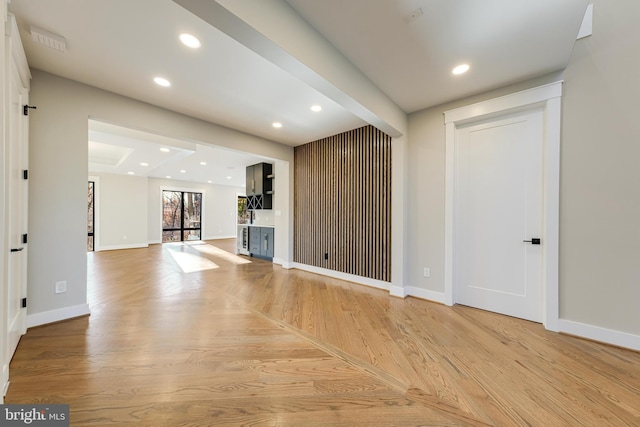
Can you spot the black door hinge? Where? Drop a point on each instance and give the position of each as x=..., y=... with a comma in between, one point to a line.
x=24, y=239
x=25, y=174
x=25, y=109
x=24, y=302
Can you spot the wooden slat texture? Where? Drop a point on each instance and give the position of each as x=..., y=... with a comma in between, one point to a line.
x=342, y=203
x=245, y=342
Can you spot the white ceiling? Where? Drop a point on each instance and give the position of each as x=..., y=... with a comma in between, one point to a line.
x=117, y=150
x=410, y=59
x=120, y=45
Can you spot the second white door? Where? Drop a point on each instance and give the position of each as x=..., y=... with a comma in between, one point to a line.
x=498, y=215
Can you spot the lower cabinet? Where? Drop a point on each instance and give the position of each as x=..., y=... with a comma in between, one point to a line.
x=261, y=242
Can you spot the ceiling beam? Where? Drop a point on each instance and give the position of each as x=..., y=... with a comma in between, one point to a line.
x=273, y=30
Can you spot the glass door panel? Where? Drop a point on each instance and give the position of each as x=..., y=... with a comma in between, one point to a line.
x=181, y=216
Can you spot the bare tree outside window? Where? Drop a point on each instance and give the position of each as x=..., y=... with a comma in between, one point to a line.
x=244, y=215
x=181, y=216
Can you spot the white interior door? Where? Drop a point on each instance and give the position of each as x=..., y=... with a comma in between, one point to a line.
x=17, y=212
x=498, y=213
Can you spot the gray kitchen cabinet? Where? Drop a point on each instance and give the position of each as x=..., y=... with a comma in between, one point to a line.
x=259, y=186
x=261, y=242
x=266, y=242
x=254, y=240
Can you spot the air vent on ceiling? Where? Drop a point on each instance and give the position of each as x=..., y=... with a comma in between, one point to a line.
x=48, y=39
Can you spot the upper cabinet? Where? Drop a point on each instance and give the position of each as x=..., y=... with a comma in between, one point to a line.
x=259, y=186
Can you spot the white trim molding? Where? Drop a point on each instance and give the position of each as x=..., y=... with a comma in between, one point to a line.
x=52, y=316
x=230, y=236
x=398, y=291
x=118, y=247
x=343, y=276
x=596, y=333
x=283, y=263
x=547, y=97
x=426, y=294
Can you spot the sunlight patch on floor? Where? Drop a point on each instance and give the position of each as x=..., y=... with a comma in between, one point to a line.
x=217, y=252
x=190, y=263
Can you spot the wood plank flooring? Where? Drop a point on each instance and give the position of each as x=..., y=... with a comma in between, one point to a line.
x=194, y=335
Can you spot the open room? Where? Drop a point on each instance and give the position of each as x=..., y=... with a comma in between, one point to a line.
x=293, y=212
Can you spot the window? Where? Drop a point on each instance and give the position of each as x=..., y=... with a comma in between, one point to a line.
x=244, y=215
x=181, y=216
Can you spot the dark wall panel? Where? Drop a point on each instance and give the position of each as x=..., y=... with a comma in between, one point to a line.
x=342, y=208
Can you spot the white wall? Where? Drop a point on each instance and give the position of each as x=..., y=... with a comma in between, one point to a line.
x=599, y=207
x=121, y=212
x=600, y=212
x=58, y=178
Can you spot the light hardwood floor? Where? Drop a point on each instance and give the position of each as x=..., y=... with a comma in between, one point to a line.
x=194, y=335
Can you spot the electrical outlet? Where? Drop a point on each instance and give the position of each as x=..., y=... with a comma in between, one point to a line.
x=427, y=272
x=61, y=287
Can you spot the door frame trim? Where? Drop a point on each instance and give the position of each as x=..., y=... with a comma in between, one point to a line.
x=547, y=97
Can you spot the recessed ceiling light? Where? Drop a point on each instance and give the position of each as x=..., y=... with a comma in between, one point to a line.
x=316, y=108
x=203, y=163
x=190, y=41
x=144, y=164
x=131, y=173
x=277, y=125
x=162, y=81
x=168, y=176
x=228, y=177
x=209, y=182
x=183, y=171
x=164, y=150
x=460, y=69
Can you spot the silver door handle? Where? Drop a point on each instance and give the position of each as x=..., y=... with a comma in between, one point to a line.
x=16, y=250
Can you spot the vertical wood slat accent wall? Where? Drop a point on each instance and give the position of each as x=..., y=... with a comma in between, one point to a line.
x=342, y=203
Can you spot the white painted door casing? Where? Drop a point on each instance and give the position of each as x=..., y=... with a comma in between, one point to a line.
x=15, y=88
x=547, y=98
x=498, y=206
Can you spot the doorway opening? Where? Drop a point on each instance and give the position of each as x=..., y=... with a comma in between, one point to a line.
x=548, y=99
x=181, y=216
x=91, y=217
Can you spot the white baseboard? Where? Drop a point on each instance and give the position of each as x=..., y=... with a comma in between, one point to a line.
x=65, y=313
x=5, y=380
x=155, y=242
x=231, y=236
x=283, y=263
x=398, y=291
x=117, y=247
x=427, y=294
x=596, y=333
x=342, y=276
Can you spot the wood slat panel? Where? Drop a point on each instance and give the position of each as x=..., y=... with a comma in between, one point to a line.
x=342, y=191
